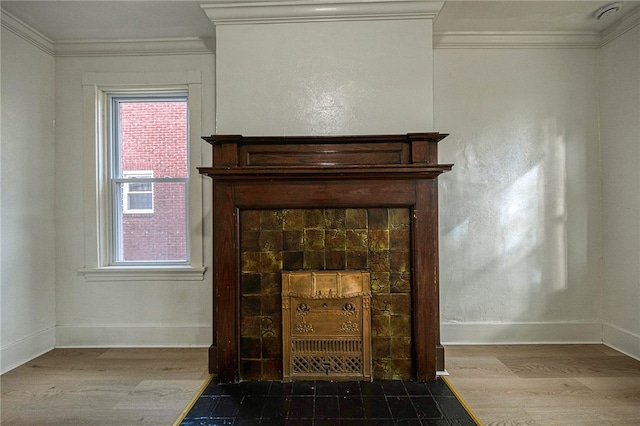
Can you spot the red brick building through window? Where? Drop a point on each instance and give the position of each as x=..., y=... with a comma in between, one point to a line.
x=153, y=160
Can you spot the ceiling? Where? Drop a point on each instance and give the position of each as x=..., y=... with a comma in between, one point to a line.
x=136, y=20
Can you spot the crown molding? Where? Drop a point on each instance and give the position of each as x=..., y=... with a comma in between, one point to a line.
x=146, y=47
x=536, y=39
x=27, y=33
x=143, y=47
x=515, y=40
x=223, y=13
x=227, y=13
x=628, y=22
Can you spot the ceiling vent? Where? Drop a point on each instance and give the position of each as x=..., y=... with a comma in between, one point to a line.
x=607, y=11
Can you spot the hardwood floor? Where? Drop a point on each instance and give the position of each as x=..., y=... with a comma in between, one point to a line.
x=505, y=385
x=547, y=384
x=102, y=387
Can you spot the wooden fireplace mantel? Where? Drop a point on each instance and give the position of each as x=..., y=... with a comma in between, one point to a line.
x=325, y=172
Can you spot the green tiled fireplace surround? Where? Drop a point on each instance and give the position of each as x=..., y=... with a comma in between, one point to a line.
x=375, y=240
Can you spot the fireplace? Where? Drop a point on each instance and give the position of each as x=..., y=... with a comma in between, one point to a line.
x=376, y=240
x=385, y=179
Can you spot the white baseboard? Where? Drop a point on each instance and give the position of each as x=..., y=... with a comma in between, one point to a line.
x=126, y=335
x=26, y=349
x=520, y=333
x=621, y=340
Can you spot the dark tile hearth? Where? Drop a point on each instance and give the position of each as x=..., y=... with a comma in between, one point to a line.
x=318, y=403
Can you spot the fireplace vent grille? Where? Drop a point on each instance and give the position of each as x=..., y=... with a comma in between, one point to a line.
x=326, y=325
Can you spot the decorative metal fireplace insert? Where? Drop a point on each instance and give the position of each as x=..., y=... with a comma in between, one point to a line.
x=326, y=325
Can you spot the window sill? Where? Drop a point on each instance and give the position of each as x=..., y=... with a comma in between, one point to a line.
x=144, y=273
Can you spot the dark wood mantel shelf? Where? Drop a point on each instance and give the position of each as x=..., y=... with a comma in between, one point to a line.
x=326, y=172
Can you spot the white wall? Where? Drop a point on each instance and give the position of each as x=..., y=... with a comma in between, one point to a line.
x=347, y=77
x=522, y=235
x=620, y=129
x=121, y=313
x=28, y=262
x=519, y=212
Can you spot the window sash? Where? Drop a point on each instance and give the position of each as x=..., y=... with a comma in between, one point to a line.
x=120, y=178
x=118, y=238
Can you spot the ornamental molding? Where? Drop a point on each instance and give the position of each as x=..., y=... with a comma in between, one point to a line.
x=268, y=12
x=536, y=39
x=515, y=40
x=225, y=13
x=628, y=22
x=142, y=47
x=105, y=48
x=27, y=33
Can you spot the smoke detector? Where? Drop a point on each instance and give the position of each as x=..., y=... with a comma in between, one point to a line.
x=607, y=11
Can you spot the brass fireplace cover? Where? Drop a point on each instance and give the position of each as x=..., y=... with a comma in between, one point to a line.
x=326, y=325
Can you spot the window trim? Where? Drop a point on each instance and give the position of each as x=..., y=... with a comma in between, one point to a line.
x=96, y=88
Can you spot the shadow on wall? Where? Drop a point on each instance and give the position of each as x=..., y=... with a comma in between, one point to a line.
x=503, y=231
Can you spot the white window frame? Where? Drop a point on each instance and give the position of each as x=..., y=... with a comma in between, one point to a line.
x=126, y=190
x=98, y=228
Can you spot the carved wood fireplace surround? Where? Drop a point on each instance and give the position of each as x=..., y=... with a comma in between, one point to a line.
x=326, y=172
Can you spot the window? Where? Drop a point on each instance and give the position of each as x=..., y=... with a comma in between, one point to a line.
x=146, y=213
x=137, y=192
x=149, y=214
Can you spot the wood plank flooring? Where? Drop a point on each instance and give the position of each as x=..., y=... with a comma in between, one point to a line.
x=547, y=384
x=102, y=387
x=504, y=385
